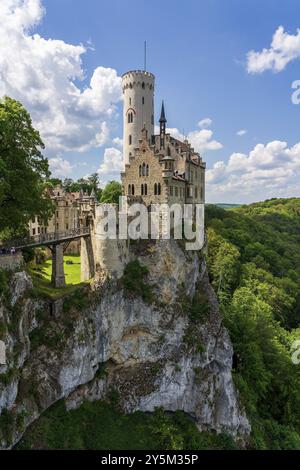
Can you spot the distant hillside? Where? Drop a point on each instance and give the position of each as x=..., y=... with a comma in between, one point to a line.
x=227, y=206
x=254, y=265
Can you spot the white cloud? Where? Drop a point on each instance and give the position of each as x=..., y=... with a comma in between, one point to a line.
x=111, y=166
x=118, y=142
x=60, y=167
x=241, y=132
x=284, y=48
x=270, y=170
x=44, y=74
x=201, y=140
x=206, y=122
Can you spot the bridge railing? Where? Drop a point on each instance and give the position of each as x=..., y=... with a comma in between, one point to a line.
x=45, y=238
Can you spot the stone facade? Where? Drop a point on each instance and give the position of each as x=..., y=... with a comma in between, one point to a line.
x=158, y=168
x=72, y=210
x=138, y=90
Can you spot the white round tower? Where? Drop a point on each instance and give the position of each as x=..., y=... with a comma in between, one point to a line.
x=138, y=90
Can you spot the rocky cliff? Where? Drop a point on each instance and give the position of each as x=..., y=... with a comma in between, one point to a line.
x=169, y=350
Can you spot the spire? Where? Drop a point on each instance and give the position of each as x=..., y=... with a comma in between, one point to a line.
x=162, y=126
x=162, y=114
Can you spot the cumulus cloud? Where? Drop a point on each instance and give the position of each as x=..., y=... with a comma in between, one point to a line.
x=118, y=142
x=111, y=166
x=241, y=132
x=201, y=140
x=270, y=170
x=60, y=167
x=284, y=48
x=45, y=75
x=206, y=122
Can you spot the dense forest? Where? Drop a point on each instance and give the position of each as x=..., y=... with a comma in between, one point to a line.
x=254, y=264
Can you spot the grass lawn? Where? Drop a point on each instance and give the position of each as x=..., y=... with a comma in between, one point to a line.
x=72, y=271
x=41, y=277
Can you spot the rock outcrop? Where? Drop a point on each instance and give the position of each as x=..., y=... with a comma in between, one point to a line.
x=171, y=352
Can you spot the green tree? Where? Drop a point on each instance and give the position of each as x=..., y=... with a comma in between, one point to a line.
x=111, y=193
x=23, y=170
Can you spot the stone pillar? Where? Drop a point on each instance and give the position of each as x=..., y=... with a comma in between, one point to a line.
x=58, y=275
x=87, y=259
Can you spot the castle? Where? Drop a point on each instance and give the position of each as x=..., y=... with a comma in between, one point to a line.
x=158, y=168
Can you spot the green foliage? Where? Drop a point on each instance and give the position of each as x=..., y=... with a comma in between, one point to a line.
x=78, y=300
x=6, y=424
x=3, y=281
x=134, y=280
x=100, y=426
x=23, y=170
x=111, y=193
x=254, y=265
x=2, y=328
x=89, y=184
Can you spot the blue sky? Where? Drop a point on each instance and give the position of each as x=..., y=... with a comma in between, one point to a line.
x=198, y=52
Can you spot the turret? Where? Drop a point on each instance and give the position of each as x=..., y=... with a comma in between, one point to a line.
x=138, y=91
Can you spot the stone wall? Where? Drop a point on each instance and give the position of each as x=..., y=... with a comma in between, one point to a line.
x=11, y=262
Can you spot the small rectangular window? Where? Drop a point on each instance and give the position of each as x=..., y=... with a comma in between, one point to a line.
x=130, y=139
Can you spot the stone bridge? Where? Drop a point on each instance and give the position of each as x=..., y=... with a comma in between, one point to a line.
x=57, y=242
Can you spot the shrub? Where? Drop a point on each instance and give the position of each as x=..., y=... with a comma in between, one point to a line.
x=3, y=281
x=133, y=280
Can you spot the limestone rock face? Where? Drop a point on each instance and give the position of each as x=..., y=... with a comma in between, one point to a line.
x=152, y=355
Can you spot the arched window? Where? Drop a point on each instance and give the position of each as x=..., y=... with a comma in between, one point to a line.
x=140, y=170
x=143, y=85
x=130, y=118
x=142, y=189
x=159, y=189
x=155, y=189
x=147, y=170
x=129, y=189
x=143, y=100
x=145, y=190
x=132, y=190
x=144, y=169
x=130, y=140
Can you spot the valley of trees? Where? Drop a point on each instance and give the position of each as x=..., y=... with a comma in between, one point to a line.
x=254, y=265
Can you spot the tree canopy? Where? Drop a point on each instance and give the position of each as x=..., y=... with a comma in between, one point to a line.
x=23, y=170
x=254, y=265
x=111, y=193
